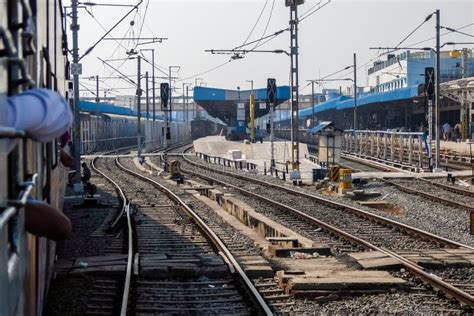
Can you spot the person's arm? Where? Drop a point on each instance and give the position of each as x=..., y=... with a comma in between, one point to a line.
x=66, y=159
x=42, y=219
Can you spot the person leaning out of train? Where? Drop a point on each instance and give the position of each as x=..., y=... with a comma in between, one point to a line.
x=66, y=159
x=44, y=115
x=44, y=220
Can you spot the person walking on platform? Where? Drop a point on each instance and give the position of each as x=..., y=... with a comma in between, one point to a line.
x=446, y=131
x=457, y=132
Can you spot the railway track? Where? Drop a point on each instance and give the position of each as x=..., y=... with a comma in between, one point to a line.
x=435, y=191
x=448, y=161
x=180, y=265
x=356, y=226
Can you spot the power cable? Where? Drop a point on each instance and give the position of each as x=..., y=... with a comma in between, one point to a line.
x=456, y=31
x=110, y=30
x=303, y=17
x=143, y=21
x=416, y=29
x=102, y=27
x=207, y=71
x=85, y=87
x=255, y=25
x=266, y=26
x=266, y=37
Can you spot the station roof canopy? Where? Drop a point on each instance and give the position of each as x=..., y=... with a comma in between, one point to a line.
x=345, y=102
x=222, y=103
x=388, y=96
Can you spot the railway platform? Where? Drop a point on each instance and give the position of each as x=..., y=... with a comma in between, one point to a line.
x=257, y=154
x=461, y=148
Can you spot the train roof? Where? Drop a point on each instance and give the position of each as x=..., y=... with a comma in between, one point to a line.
x=109, y=108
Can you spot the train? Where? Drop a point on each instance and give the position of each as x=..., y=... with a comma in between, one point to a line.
x=34, y=54
x=107, y=131
x=207, y=125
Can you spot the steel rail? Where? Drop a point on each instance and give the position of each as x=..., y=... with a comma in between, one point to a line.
x=453, y=164
x=262, y=305
x=361, y=213
x=125, y=210
x=429, y=195
x=448, y=289
x=450, y=188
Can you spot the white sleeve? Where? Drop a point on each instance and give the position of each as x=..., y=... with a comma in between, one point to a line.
x=43, y=114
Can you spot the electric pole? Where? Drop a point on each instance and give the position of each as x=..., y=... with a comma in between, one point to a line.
x=355, y=91
x=153, y=86
x=139, y=108
x=97, y=97
x=293, y=4
x=464, y=104
x=271, y=99
x=147, y=95
x=171, y=96
x=76, y=71
x=187, y=99
x=438, y=81
x=171, y=92
x=312, y=101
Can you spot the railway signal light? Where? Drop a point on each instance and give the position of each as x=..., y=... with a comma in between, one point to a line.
x=271, y=90
x=429, y=80
x=165, y=93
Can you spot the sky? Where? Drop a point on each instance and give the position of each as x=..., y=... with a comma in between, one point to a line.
x=327, y=38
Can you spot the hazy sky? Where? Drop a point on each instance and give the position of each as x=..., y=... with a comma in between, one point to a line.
x=327, y=39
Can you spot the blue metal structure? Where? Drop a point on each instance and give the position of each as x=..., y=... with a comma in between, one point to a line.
x=92, y=107
x=345, y=102
x=233, y=106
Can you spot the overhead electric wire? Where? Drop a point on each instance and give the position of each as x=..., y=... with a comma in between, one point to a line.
x=84, y=86
x=207, y=71
x=266, y=26
x=151, y=64
x=125, y=78
x=143, y=22
x=426, y=40
x=307, y=11
x=263, y=43
x=259, y=44
x=256, y=23
x=456, y=31
x=103, y=28
x=110, y=30
x=303, y=17
x=263, y=38
x=416, y=29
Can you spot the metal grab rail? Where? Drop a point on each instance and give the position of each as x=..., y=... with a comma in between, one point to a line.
x=10, y=132
x=13, y=253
